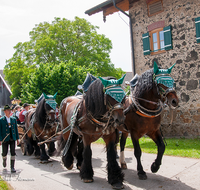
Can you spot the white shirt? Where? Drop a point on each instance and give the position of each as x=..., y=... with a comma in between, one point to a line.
x=17, y=114
x=8, y=120
x=24, y=112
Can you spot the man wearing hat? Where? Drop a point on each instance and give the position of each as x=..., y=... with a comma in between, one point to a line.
x=8, y=136
x=23, y=112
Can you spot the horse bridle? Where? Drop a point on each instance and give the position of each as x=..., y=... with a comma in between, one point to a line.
x=140, y=110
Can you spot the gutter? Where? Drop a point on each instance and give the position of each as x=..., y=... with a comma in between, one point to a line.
x=131, y=31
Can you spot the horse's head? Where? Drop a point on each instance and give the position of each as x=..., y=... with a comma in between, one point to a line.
x=114, y=98
x=50, y=107
x=165, y=85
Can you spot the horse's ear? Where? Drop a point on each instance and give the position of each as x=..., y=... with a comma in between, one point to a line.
x=155, y=68
x=170, y=69
x=45, y=96
x=54, y=97
x=104, y=82
x=120, y=81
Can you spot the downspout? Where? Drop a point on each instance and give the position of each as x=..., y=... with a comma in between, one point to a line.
x=131, y=31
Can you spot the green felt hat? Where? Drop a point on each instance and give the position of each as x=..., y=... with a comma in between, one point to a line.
x=6, y=107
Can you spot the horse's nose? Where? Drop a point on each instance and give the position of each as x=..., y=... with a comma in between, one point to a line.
x=174, y=102
x=120, y=120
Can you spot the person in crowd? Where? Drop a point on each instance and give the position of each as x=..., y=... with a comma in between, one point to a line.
x=8, y=136
x=16, y=113
x=23, y=113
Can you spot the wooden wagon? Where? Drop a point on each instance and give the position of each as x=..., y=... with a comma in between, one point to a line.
x=21, y=131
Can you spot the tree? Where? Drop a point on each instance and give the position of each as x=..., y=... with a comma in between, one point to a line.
x=61, y=41
x=48, y=78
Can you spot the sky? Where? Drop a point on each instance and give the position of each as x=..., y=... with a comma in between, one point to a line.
x=19, y=17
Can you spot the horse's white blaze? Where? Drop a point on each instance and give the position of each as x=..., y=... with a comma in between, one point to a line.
x=122, y=158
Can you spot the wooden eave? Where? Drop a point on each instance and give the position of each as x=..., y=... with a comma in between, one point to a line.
x=108, y=8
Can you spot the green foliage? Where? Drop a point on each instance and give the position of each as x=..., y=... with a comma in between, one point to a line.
x=48, y=78
x=58, y=42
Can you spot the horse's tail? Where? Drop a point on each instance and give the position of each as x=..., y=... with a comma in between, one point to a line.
x=60, y=144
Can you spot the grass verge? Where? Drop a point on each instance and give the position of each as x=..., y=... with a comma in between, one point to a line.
x=175, y=146
x=4, y=185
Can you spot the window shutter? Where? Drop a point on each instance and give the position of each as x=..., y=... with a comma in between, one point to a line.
x=197, y=23
x=146, y=43
x=168, y=37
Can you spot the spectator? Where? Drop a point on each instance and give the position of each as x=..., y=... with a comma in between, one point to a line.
x=23, y=112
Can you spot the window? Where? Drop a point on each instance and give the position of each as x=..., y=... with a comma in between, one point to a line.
x=157, y=44
x=154, y=7
x=157, y=41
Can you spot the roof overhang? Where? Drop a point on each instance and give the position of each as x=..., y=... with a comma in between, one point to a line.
x=5, y=84
x=107, y=7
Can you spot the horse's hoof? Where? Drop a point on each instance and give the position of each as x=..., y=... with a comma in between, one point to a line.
x=70, y=167
x=154, y=167
x=118, y=185
x=142, y=176
x=123, y=166
x=88, y=180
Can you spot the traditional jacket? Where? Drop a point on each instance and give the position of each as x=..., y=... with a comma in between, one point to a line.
x=5, y=130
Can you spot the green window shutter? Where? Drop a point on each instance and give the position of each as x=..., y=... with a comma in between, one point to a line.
x=168, y=37
x=146, y=44
x=197, y=23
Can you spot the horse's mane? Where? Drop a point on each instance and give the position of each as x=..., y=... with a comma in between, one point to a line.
x=94, y=99
x=40, y=113
x=145, y=83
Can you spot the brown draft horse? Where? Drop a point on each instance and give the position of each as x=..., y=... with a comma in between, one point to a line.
x=143, y=114
x=40, y=124
x=97, y=115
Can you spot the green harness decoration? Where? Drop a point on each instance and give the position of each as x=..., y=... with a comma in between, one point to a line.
x=162, y=76
x=50, y=100
x=113, y=88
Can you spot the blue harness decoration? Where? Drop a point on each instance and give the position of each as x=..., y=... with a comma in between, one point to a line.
x=50, y=100
x=162, y=76
x=113, y=88
x=165, y=80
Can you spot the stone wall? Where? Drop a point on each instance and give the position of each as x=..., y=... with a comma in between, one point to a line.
x=186, y=54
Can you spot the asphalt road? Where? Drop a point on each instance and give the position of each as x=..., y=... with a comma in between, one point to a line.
x=175, y=173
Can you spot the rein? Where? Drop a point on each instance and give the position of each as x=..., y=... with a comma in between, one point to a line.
x=142, y=111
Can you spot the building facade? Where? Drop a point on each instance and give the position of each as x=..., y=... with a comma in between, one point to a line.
x=5, y=93
x=168, y=32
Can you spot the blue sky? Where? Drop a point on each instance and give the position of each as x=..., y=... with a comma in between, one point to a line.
x=18, y=18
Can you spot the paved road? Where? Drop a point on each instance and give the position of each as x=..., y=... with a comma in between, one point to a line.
x=175, y=173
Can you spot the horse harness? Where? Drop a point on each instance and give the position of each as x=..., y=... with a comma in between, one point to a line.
x=142, y=111
x=75, y=123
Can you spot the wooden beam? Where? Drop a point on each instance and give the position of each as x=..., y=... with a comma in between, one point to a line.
x=124, y=5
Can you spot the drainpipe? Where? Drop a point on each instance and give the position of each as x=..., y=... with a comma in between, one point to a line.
x=131, y=31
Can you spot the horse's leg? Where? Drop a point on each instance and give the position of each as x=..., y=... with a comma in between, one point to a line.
x=86, y=171
x=43, y=156
x=68, y=159
x=79, y=155
x=51, y=149
x=157, y=138
x=122, y=146
x=30, y=148
x=37, y=148
x=115, y=175
x=137, y=152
